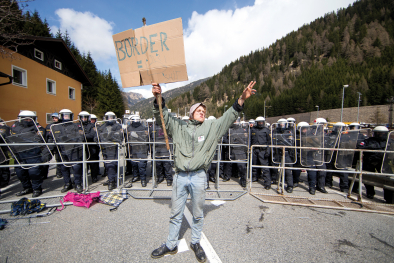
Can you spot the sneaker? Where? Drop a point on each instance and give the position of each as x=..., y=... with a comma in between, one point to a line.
x=199, y=252
x=162, y=251
x=66, y=188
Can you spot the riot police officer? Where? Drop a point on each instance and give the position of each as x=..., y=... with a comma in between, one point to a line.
x=67, y=131
x=110, y=131
x=297, y=173
x=211, y=174
x=30, y=178
x=53, y=148
x=333, y=137
x=260, y=135
x=4, y=160
x=136, y=129
x=163, y=168
x=90, y=133
x=372, y=161
x=239, y=135
x=283, y=136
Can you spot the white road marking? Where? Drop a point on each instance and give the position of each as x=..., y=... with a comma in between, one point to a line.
x=209, y=251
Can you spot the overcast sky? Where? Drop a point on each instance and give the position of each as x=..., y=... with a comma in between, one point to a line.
x=215, y=32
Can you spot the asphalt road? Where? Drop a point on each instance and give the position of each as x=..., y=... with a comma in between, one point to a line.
x=243, y=230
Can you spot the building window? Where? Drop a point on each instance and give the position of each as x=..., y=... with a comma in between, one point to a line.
x=19, y=76
x=71, y=93
x=51, y=87
x=58, y=64
x=49, y=118
x=38, y=54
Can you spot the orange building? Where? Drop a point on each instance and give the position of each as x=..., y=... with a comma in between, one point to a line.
x=46, y=78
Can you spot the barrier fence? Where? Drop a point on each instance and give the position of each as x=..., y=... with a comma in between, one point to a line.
x=384, y=180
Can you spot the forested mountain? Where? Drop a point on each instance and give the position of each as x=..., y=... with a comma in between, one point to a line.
x=105, y=94
x=309, y=67
x=131, y=98
x=145, y=106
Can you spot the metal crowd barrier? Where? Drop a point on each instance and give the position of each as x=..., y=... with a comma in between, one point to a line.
x=383, y=180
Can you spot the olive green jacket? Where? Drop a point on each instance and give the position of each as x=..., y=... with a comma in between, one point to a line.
x=195, y=142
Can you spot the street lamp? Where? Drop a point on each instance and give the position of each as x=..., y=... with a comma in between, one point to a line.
x=317, y=106
x=343, y=96
x=358, y=105
x=266, y=107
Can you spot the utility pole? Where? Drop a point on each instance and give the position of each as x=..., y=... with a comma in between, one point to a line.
x=391, y=100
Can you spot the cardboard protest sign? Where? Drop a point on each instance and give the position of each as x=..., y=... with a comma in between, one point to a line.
x=152, y=53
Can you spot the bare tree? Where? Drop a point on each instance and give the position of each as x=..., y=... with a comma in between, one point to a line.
x=90, y=102
x=11, y=27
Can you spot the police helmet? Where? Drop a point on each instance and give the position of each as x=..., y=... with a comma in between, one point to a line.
x=66, y=115
x=338, y=127
x=211, y=118
x=149, y=120
x=252, y=121
x=282, y=123
x=302, y=124
x=320, y=121
x=92, y=116
x=380, y=132
x=260, y=122
x=268, y=125
x=28, y=115
x=135, y=119
x=354, y=126
x=291, y=122
x=291, y=119
x=84, y=116
x=55, y=115
x=109, y=115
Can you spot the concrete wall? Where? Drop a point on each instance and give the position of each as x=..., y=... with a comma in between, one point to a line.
x=368, y=114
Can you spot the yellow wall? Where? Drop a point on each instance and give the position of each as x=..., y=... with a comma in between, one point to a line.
x=34, y=97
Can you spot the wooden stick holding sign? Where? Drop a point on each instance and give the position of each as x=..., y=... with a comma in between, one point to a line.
x=157, y=92
x=152, y=54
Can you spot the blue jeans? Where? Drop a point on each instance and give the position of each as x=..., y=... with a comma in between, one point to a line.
x=184, y=183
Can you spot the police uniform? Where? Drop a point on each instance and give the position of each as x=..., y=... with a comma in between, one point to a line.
x=94, y=150
x=4, y=171
x=285, y=137
x=261, y=136
x=31, y=178
x=71, y=155
x=139, y=167
x=54, y=150
x=239, y=135
x=163, y=168
x=225, y=167
x=110, y=153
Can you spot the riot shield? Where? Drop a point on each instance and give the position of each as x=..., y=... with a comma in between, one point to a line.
x=70, y=132
x=240, y=136
x=4, y=131
x=388, y=159
x=312, y=136
x=27, y=153
x=137, y=144
x=3, y=157
x=330, y=141
x=348, y=141
x=109, y=132
x=282, y=136
x=160, y=145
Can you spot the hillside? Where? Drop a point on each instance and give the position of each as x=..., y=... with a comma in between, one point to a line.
x=145, y=106
x=131, y=98
x=309, y=67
